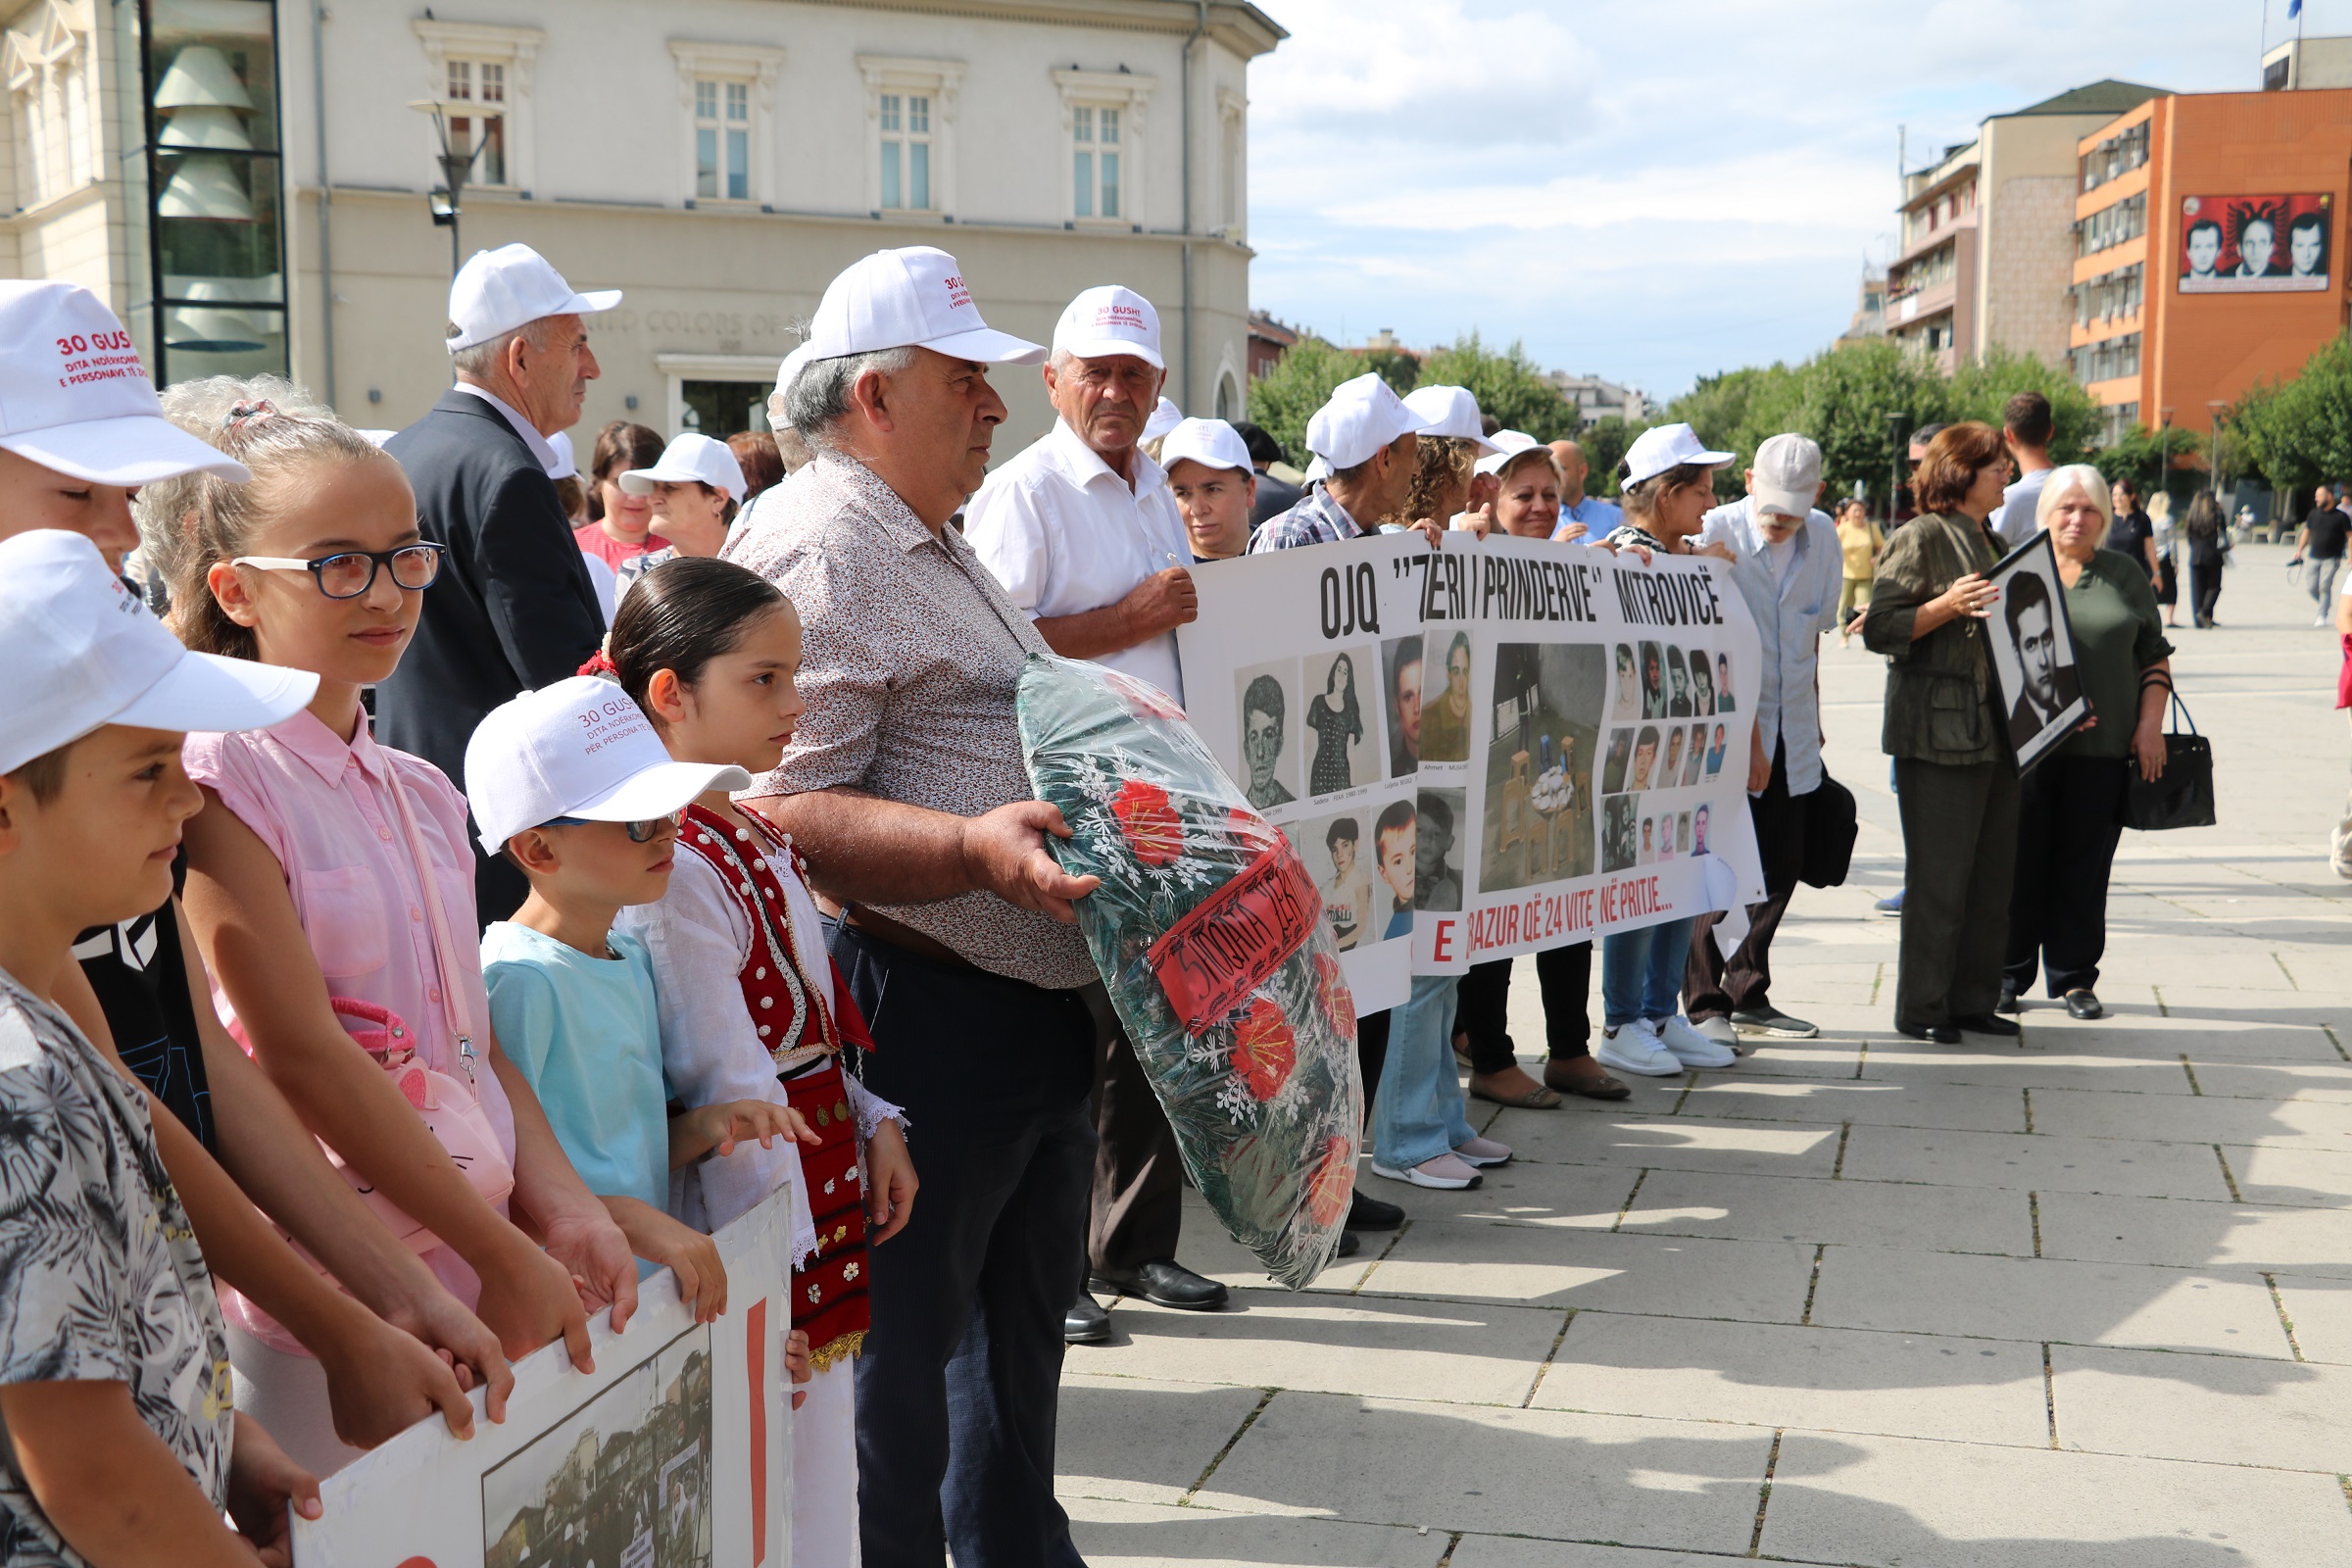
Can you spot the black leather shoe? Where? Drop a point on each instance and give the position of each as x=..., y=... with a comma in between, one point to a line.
x=1368, y=1214
x=1350, y=1243
x=2009, y=1002
x=1085, y=1323
x=1936, y=1034
x=1163, y=1282
x=1989, y=1023
x=2082, y=1003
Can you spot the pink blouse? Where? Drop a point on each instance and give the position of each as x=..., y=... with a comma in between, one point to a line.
x=328, y=812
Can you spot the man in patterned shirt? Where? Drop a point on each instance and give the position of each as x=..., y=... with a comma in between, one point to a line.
x=1372, y=486
x=905, y=789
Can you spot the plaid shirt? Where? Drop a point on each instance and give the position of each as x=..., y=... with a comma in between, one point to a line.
x=1318, y=519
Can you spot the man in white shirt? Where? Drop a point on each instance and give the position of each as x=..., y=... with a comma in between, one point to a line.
x=1789, y=569
x=2027, y=426
x=1080, y=527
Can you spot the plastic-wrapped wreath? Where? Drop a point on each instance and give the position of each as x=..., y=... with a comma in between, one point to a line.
x=1209, y=935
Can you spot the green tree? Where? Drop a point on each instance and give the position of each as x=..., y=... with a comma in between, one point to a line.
x=2299, y=432
x=1507, y=384
x=1843, y=399
x=1604, y=441
x=1286, y=396
x=1982, y=387
x=1395, y=367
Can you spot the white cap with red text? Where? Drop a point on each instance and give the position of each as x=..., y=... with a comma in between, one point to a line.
x=497, y=291
x=579, y=748
x=1164, y=418
x=1451, y=411
x=1110, y=321
x=1668, y=446
x=1211, y=442
x=1788, y=475
x=73, y=396
x=687, y=458
x=82, y=652
x=1362, y=416
x=913, y=297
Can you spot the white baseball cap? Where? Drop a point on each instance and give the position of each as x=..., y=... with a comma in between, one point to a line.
x=566, y=466
x=689, y=457
x=1666, y=446
x=73, y=396
x=1788, y=470
x=913, y=297
x=1166, y=417
x=497, y=291
x=1506, y=445
x=1207, y=441
x=1110, y=321
x=1362, y=416
x=82, y=652
x=579, y=748
x=1451, y=412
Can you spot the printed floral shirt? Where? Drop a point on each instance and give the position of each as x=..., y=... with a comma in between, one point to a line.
x=1318, y=519
x=100, y=1277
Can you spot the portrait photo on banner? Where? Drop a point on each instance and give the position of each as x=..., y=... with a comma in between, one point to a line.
x=1362, y=861
x=2256, y=244
x=1446, y=696
x=1538, y=822
x=2033, y=651
x=1401, y=703
x=1266, y=696
x=1342, y=720
x=1437, y=857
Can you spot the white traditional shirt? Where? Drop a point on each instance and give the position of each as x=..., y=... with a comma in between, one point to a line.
x=1793, y=606
x=1066, y=534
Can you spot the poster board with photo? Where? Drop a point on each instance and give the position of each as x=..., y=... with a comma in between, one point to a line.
x=2256, y=244
x=2033, y=645
x=1303, y=675
x=673, y=1454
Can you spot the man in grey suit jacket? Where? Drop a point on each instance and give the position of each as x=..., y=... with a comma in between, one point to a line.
x=513, y=609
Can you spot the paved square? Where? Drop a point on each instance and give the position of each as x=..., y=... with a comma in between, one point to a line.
x=2081, y=1300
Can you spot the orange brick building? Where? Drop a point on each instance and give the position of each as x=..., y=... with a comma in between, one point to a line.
x=2209, y=250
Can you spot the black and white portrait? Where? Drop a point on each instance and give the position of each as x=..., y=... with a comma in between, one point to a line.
x=1268, y=704
x=2034, y=653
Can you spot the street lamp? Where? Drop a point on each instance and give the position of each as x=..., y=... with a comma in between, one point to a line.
x=455, y=168
x=1894, y=464
x=2213, y=447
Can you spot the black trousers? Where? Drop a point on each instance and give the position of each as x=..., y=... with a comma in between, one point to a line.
x=2070, y=815
x=1959, y=856
x=1482, y=1001
x=960, y=1380
x=1137, y=1206
x=1371, y=1054
x=1714, y=986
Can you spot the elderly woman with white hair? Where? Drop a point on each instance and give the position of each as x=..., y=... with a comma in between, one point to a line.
x=2070, y=812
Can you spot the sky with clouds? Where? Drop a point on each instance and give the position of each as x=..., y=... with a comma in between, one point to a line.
x=1656, y=190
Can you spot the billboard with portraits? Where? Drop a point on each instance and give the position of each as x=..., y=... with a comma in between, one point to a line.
x=2256, y=244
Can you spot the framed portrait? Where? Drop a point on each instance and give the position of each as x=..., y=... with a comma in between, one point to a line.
x=2033, y=651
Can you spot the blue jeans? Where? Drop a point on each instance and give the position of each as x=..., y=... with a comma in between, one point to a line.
x=1418, y=1114
x=1641, y=972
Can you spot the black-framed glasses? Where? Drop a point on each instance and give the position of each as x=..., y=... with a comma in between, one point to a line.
x=644, y=832
x=349, y=574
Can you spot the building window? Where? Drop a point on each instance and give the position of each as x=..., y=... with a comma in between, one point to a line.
x=906, y=151
x=2110, y=227
x=49, y=101
x=1095, y=161
x=483, y=131
x=484, y=75
x=723, y=139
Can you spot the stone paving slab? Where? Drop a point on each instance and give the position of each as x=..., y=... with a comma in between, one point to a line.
x=1131, y=1534
x=1759, y=1281
x=2314, y=1126
x=2042, y=1161
x=2218, y=1410
x=1845, y=1213
x=2176, y=1234
x=1141, y=1440
x=1864, y=1101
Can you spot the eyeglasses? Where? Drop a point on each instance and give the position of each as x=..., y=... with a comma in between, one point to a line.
x=349, y=574
x=644, y=832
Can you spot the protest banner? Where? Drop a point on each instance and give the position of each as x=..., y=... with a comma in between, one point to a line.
x=1557, y=747
x=673, y=1454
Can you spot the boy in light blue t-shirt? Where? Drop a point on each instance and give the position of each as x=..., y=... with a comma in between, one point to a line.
x=573, y=785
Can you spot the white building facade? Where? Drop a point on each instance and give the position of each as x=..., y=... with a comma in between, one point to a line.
x=247, y=182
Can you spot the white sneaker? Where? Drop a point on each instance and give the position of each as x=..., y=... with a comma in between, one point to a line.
x=1691, y=1048
x=1482, y=1152
x=1444, y=1172
x=1719, y=1029
x=1635, y=1047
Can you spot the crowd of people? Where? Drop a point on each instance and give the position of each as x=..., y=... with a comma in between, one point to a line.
x=665, y=826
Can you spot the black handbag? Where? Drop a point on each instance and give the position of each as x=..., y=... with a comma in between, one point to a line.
x=2183, y=796
x=1830, y=832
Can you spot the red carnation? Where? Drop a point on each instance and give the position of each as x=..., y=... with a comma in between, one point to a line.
x=1154, y=833
x=1264, y=1050
x=1334, y=1181
x=1338, y=1004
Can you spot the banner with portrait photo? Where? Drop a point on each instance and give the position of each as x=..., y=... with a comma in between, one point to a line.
x=2033, y=646
x=1303, y=675
x=2256, y=244
x=1533, y=711
x=673, y=1454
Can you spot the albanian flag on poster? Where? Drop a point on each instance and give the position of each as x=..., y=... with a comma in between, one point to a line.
x=1210, y=939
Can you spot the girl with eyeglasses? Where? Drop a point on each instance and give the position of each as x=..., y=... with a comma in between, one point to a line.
x=331, y=888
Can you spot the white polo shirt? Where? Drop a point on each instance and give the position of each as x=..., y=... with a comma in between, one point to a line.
x=1064, y=534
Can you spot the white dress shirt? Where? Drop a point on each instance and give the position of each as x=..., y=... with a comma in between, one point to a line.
x=541, y=448
x=1793, y=604
x=1064, y=535
x=2017, y=522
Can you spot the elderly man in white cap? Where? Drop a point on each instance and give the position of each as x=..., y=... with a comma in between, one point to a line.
x=1786, y=558
x=905, y=790
x=1081, y=530
x=1370, y=441
x=512, y=611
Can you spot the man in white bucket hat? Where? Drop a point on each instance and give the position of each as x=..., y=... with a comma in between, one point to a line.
x=514, y=608
x=905, y=789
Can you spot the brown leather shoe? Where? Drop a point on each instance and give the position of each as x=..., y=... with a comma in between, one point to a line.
x=1592, y=1082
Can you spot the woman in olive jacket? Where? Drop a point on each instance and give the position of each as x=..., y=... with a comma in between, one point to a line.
x=1955, y=778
